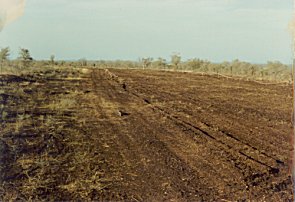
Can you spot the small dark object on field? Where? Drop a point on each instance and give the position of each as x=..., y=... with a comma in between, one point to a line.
x=124, y=86
x=147, y=101
x=122, y=113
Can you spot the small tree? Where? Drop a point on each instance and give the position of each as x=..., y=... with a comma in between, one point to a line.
x=253, y=70
x=25, y=57
x=52, y=59
x=82, y=62
x=175, y=60
x=160, y=63
x=231, y=70
x=4, y=55
x=195, y=64
x=146, y=62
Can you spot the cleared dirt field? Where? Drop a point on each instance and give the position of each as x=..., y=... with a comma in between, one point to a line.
x=137, y=135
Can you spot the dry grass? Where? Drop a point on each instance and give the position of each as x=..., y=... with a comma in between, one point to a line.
x=51, y=158
x=62, y=104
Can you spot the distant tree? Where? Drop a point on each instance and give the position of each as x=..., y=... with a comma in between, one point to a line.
x=83, y=62
x=275, y=69
x=245, y=68
x=160, y=63
x=175, y=61
x=235, y=67
x=52, y=59
x=225, y=68
x=252, y=70
x=205, y=67
x=230, y=69
x=195, y=64
x=62, y=63
x=146, y=62
x=213, y=68
x=25, y=57
x=4, y=55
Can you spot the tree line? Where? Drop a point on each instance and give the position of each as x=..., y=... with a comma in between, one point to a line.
x=272, y=70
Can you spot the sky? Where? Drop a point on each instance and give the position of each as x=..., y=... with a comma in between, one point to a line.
x=216, y=30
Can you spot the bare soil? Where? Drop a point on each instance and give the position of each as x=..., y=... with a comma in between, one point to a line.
x=135, y=135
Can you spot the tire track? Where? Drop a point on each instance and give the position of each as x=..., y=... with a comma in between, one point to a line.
x=269, y=166
x=152, y=155
x=188, y=124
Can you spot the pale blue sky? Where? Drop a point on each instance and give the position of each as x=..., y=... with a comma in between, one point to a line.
x=217, y=30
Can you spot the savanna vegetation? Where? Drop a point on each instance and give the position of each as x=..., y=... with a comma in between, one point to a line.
x=272, y=70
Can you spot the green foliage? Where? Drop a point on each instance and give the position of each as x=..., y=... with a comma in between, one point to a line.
x=275, y=69
x=175, y=60
x=196, y=65
x=160, y=63
x=52, y=59
x=4, y=54
x=25, y=57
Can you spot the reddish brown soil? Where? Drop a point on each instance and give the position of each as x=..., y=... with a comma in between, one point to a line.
x=151, y=136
